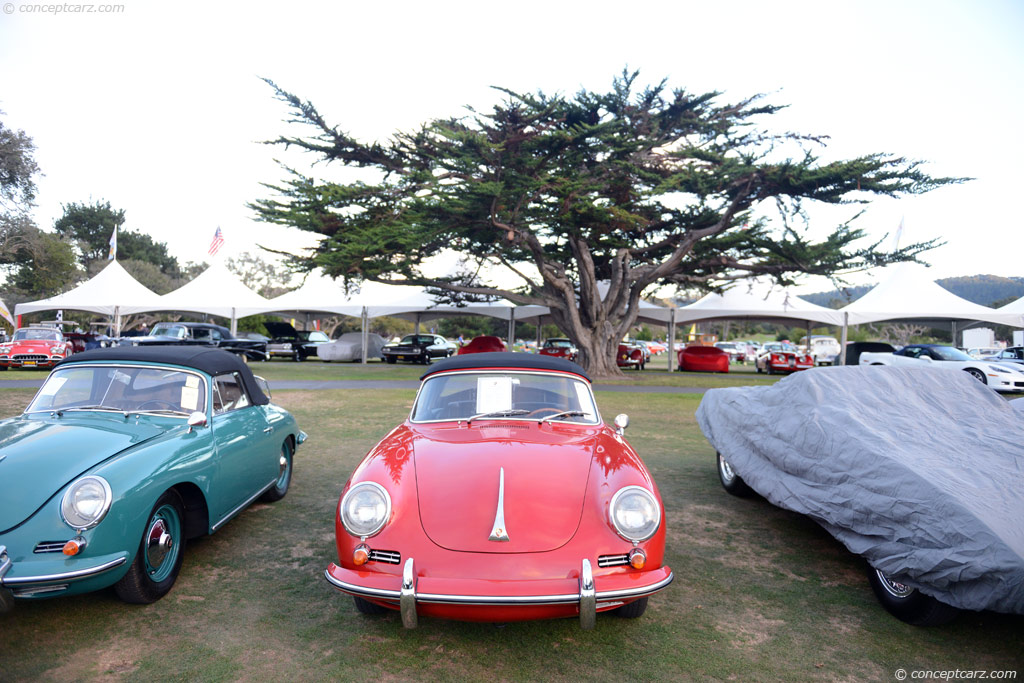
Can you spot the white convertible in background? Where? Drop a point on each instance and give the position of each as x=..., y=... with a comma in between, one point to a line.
x=1001, y=377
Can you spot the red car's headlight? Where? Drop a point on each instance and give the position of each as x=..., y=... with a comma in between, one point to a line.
x=635, y=513
x=365, y=509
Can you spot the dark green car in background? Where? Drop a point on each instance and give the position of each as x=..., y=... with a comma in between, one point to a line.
x=123, y=455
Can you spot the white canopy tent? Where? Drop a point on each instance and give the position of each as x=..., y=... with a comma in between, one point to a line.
x=216, y=291
x=907, y=292
x=742, y=303
x=5, y=313
x=1014, y=308
x=112, y=292
x=320, y=294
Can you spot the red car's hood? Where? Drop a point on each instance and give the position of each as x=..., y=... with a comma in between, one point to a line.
x=34, y=346
x=457, y=473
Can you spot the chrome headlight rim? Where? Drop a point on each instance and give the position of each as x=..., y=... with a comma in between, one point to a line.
x=373, y=531
x=66, y=503
x=654, y=505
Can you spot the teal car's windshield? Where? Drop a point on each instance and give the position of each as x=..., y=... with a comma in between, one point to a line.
x=141, y=389
x=512, y=395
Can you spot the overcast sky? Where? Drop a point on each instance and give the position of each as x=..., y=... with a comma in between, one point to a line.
x=159, y=108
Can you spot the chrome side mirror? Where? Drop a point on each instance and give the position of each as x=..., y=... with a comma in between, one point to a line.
x=621, y=422
x=196, y=419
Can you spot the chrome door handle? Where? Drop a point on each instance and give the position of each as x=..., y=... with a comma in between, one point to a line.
x=268, y=430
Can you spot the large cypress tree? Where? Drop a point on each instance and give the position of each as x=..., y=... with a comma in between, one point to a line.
x=637, y=187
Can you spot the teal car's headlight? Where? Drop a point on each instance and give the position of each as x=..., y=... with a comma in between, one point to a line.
x=86, y=502
x=635, y=513
x=365, y=509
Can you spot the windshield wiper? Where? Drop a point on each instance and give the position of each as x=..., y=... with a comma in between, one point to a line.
x=161, y=411
x=498, y=413
x=564, y=413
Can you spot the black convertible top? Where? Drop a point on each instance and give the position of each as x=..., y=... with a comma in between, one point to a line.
x=506, y=359
x=211, y=360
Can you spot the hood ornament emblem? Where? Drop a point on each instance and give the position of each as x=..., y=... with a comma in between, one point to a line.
x=498, y=531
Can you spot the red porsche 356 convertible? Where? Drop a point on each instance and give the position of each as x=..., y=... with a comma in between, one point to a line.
x=503, y=497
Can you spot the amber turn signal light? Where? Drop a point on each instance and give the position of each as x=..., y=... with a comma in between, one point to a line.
x=74, y=546
x=637, y=558
x=361, y=555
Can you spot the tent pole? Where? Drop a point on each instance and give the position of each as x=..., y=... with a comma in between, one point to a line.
x=540, y=322
x=117, y=321
x=671, y=338
x=234, y=323
x=953, y=324
x=364, y=325
x=416, y=329
x=511, y=328
x=843, y=337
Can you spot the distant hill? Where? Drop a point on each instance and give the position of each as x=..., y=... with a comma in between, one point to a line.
x=981, y=289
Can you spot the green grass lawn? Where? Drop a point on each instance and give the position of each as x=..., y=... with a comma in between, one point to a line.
x=760, y=593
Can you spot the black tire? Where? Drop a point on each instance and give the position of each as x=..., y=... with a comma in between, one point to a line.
x=366, y=607
x=633, y=610
x=977, y=374
x=391, y=360
x=771, y=370
x=158, y=559
x=732, y=482
x=758, y=368
x=284, y=479
x=297, y=357
x=909, y=604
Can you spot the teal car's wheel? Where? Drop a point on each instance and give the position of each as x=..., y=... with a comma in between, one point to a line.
x=160, y=553
x=284, y=479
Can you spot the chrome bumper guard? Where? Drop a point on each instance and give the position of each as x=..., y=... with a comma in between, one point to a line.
x=587, y=598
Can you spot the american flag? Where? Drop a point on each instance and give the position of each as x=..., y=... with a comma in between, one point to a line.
x=217, y=243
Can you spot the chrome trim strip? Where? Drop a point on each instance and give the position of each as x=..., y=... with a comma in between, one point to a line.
x=407, y=601
x=64, y=576
x=509, y=600
x=588, y=597
x=241, y=507
x=498, y=531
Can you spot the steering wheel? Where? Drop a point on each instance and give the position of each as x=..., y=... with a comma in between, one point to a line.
x=158, y=404
x=538, y=411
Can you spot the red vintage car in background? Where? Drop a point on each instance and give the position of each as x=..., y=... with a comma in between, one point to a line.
x=560, y=347
x=782, y=357
x=630, y=356
x=35, y=346
x=503, y=497
x=483, y=344
x=703, y=359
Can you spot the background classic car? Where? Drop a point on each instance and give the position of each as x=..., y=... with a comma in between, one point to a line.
x=483, y=344
x=782, y=357
x=34, y=346
x=999, y=376
x=287, y=342
x=560, y=347
x=630, y=356
x=418, y=348
x=123, y=455
x=200, y=334
x=503, y=497
x=697, y=358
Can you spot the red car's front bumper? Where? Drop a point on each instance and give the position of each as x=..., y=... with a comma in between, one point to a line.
x=581, y=593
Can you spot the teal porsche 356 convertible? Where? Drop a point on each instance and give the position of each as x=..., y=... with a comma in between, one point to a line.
x=123, y=455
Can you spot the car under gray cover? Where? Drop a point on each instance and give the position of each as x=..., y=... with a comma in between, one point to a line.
x=918, y=470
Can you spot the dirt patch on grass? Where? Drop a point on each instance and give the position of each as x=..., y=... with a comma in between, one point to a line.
x=115, y=659
x=748, y=629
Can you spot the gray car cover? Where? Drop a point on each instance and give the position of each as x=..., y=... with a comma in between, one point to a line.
x=349, y=347
x=919, y=470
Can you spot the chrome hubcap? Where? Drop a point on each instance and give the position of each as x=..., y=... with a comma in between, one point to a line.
x=895, y=588
x=158, y=544
x=727, y=472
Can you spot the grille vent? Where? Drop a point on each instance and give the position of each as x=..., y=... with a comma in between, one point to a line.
x=388, y=556
x=50, y=547
x=612, y=560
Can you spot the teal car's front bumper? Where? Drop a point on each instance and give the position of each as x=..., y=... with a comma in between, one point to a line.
x=46, y=575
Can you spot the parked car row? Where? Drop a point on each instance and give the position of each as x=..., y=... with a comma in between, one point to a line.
x=127, y=453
